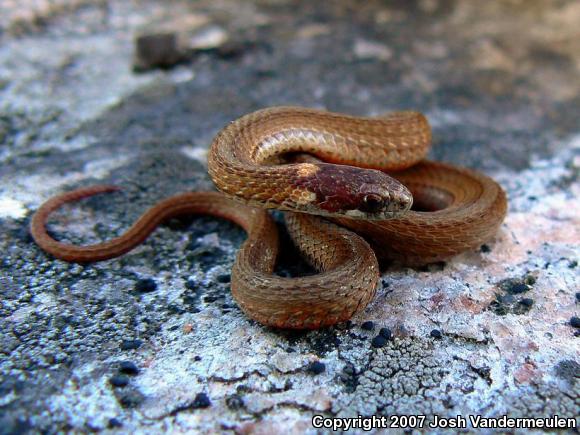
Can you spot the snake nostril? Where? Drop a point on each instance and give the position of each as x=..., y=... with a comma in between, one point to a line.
x=373, y=203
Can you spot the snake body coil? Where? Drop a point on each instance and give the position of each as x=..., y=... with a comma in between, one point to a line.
x=370, y=168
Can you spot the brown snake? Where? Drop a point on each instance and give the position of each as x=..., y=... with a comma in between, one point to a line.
x=264, y=159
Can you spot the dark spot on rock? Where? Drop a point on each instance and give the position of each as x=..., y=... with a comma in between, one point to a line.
x=578, y=297
x=175, y=309
x=498, y=308
x=523, y=306
x=436, y=334
x=575, y=322
x=290, y=350
x=128, y=367
x=131, y=344
x=368, y=325
x=145, y=285
x=224, y=278
x=518, y=288
x=190, y=285
x=386, y=332
x=349, y=369
x=114, y=423
x=197, y=358
x=316, y=367
x=517, y=285
x=119, y=381
x=484, y=372
x=343, y=326
x=130, y=398
x=485, y=249
x=235, y=402
x=210, y=299
x=201, y=401
x=568, y=370
x=378, y=341
x=506, y=299
x=438, y=266
x=573, y=264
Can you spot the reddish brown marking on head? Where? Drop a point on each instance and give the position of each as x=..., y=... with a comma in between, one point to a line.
x=354, y=192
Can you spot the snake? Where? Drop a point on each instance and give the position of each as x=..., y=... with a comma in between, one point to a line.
x=356, y=192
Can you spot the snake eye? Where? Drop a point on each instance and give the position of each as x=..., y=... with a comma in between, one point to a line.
x=372, y=203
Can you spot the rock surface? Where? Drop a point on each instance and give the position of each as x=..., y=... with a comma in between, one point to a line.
x=153, y=341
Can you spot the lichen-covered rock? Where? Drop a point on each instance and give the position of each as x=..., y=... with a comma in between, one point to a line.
x=153, y=341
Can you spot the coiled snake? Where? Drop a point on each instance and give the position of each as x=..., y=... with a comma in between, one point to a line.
x=270, y=159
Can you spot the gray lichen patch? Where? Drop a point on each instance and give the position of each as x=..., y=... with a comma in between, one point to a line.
x=499, y=84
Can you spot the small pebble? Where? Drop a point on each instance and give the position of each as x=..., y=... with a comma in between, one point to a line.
x=128, y=367
x=197, y=358
x=119, y=381
x=349, y=370
x=578, y=296
x=379, y=341
x=485, y=249
x=527, y=302
x=114, y=422
x=436, y=334
x=131, y=344
x=518, y=288
x=316, y=367
x=145, y=285
x=235, y=402
x=156, y=50
x=386, y=332
x=575, y=322
x=201, y=401
x=224, y=278
x=368, y=325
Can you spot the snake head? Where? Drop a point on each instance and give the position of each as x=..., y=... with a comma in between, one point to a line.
x=348, y=191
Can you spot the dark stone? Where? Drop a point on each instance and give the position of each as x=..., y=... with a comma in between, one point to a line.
x=485, y=249
x=379, y=341
x=128, y=367
x=523, y=306
x=575, y=322
x=156, y=50
x=197, y=358
x=114, y=423
x=130, y=398
x=386, y=332
x=210, y=299
x=119, y=381
x=145, y=285
x=518, y=288
x=578, y=296
x=235, y=402
x=436, y=334
x=368, y=325
x=316, y=367
x=224, y=278
x=568, y=370
x=201, y=401
x=131, y=344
